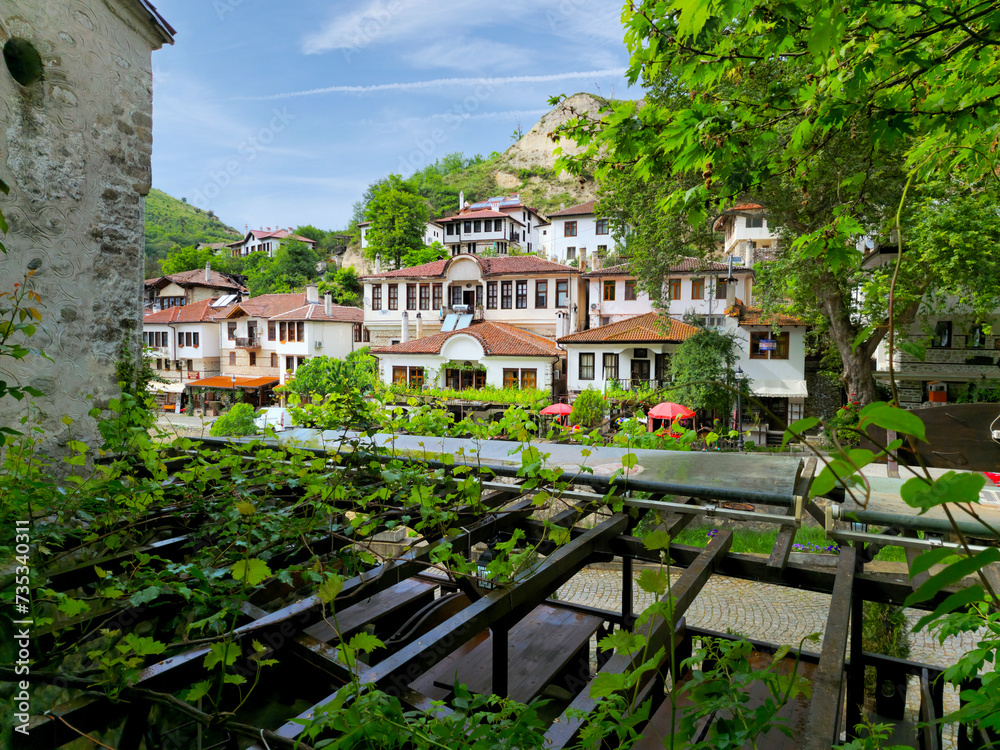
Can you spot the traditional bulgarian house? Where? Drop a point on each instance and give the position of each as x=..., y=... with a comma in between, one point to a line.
x=960, y=354
x=266, y=241
x=526, y=291
x=774, y=360
x=484, y=353
x=633, y=352
x=185, y=345
x=578, y=234
x=747, y=235
x=271, y=335
x=496, y=225
x=693, y=287
x=188, y=287
x=433, y=232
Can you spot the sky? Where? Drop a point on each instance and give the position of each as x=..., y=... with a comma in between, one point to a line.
x=281, y=114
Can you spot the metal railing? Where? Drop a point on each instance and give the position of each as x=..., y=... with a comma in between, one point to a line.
x=247, y=342
x=636, y=384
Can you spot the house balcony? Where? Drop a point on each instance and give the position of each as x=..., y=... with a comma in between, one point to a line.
x=247, y=342
x=637, y=384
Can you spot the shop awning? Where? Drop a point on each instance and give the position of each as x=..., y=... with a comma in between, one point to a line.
x=167, y=387
x=779, y=388
x=223, y=382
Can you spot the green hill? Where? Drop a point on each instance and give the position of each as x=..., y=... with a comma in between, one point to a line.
x=171, y=222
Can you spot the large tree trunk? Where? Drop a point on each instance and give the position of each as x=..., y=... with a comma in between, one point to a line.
x=858, y=366
x=858, y=362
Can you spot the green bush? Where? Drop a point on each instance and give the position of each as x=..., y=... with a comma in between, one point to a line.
x=237, y=421
x=588, y=408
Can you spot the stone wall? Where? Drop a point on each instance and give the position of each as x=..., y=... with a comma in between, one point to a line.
x=75, y=150
x=825, y=394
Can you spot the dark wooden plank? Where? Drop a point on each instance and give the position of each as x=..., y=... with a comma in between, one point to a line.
x=539, y=646
x=782, y=547
x=931, y=731
x=661, y=634
x=405, y=594
x=825, y=711
x=395, y=673
x=856, y=674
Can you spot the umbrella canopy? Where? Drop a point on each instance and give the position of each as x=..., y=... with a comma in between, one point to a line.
x=560, y=409
x=670, y=410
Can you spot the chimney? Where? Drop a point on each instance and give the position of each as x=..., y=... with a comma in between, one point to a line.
x=420, y=326
x=378, y=264
x=328, y=304
x=597, y=261
x=208, y=272
x=404, y=332
x=730, y=292
x=312, y=293
x=461, y=200
x=562, y=206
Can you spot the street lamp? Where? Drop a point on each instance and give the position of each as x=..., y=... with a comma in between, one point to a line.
x=739, y=405
x=234, y=388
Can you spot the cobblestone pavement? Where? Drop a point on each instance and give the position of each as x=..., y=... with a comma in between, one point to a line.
x=777, y=614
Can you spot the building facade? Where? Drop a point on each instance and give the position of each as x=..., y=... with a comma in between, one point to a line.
x=266, y=241
x=188, y=287
x=578, y=235
x=526, y=291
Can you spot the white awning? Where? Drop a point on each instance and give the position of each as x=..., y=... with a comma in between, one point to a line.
x=779, y=388
x=167, y=387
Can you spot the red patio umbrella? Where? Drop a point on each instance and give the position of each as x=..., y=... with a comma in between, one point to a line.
x=560, y=409
x=670, y=410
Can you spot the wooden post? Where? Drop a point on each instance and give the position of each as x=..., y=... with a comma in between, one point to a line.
x=856, y=677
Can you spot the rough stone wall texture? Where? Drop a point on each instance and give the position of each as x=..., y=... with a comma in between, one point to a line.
x=825, y=395
x=75, y=150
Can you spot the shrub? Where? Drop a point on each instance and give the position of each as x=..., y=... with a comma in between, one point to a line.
x=588, y=408
x=237, y=421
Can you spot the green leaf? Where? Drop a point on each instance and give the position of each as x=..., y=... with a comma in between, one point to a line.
x=953, y=574
x=253, y=571
x=365, y=642
x=607, y=683
x=656, y=539
x=623, y=642
x=245, y=508
x=959, y=599
x=653, y=581
x=145, y=646
x=925, y=560
x=198, y=690
x=799, y=427
x=73, y=607
x=145, y=596
x=894, y=418
x=916, y=350
x=221, y=653
x=329, y=589
x=952, y=487
x=629, y=460
x=234, y=679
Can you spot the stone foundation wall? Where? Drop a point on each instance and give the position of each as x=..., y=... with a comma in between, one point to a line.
x=76, y=151
x=825, y=394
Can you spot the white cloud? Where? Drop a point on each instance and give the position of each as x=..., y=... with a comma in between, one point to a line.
x=440, y=83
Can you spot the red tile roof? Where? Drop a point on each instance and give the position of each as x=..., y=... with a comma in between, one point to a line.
x=497, y=266
x=649, y=328
x=497, y=340
x=197, y=312
x=317, y=312
x=483, y=214
x=226, y=381
x=265, y=306
x=577, y=210
x=196, y=277
x=754, y=316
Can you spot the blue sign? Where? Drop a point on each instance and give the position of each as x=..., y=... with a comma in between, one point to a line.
x=768, y=345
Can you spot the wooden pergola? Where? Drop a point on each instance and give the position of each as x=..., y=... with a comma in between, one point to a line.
x=518, y=641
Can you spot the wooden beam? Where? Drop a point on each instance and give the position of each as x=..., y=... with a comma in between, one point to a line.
x=822, y=729
x=683, y=592
x=783, y=545
x=395, y=673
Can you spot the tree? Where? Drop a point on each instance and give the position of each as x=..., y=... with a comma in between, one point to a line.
x=186, y=259
x=326, y=375
x=427, y=254
x=844, y=121
x=702, y=363
x=344, y=285
x=398, y=217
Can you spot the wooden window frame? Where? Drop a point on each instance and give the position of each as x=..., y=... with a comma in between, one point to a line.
x=393, y=296
x=521, y=294
x=630, y=293
x=569, y=229
x=601, y=226
x=491, y=295
x=411, y=297
x=673, y=289
x=698, y=288
x=506, y=295
x=610, y=287
x=377, y=297
x=541, y=295
x=437, y=296
x=425, y=296
x=586, y=367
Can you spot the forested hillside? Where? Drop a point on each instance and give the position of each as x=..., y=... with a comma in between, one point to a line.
x=175, y=223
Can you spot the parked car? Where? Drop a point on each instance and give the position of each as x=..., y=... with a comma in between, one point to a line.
x=274, y=417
